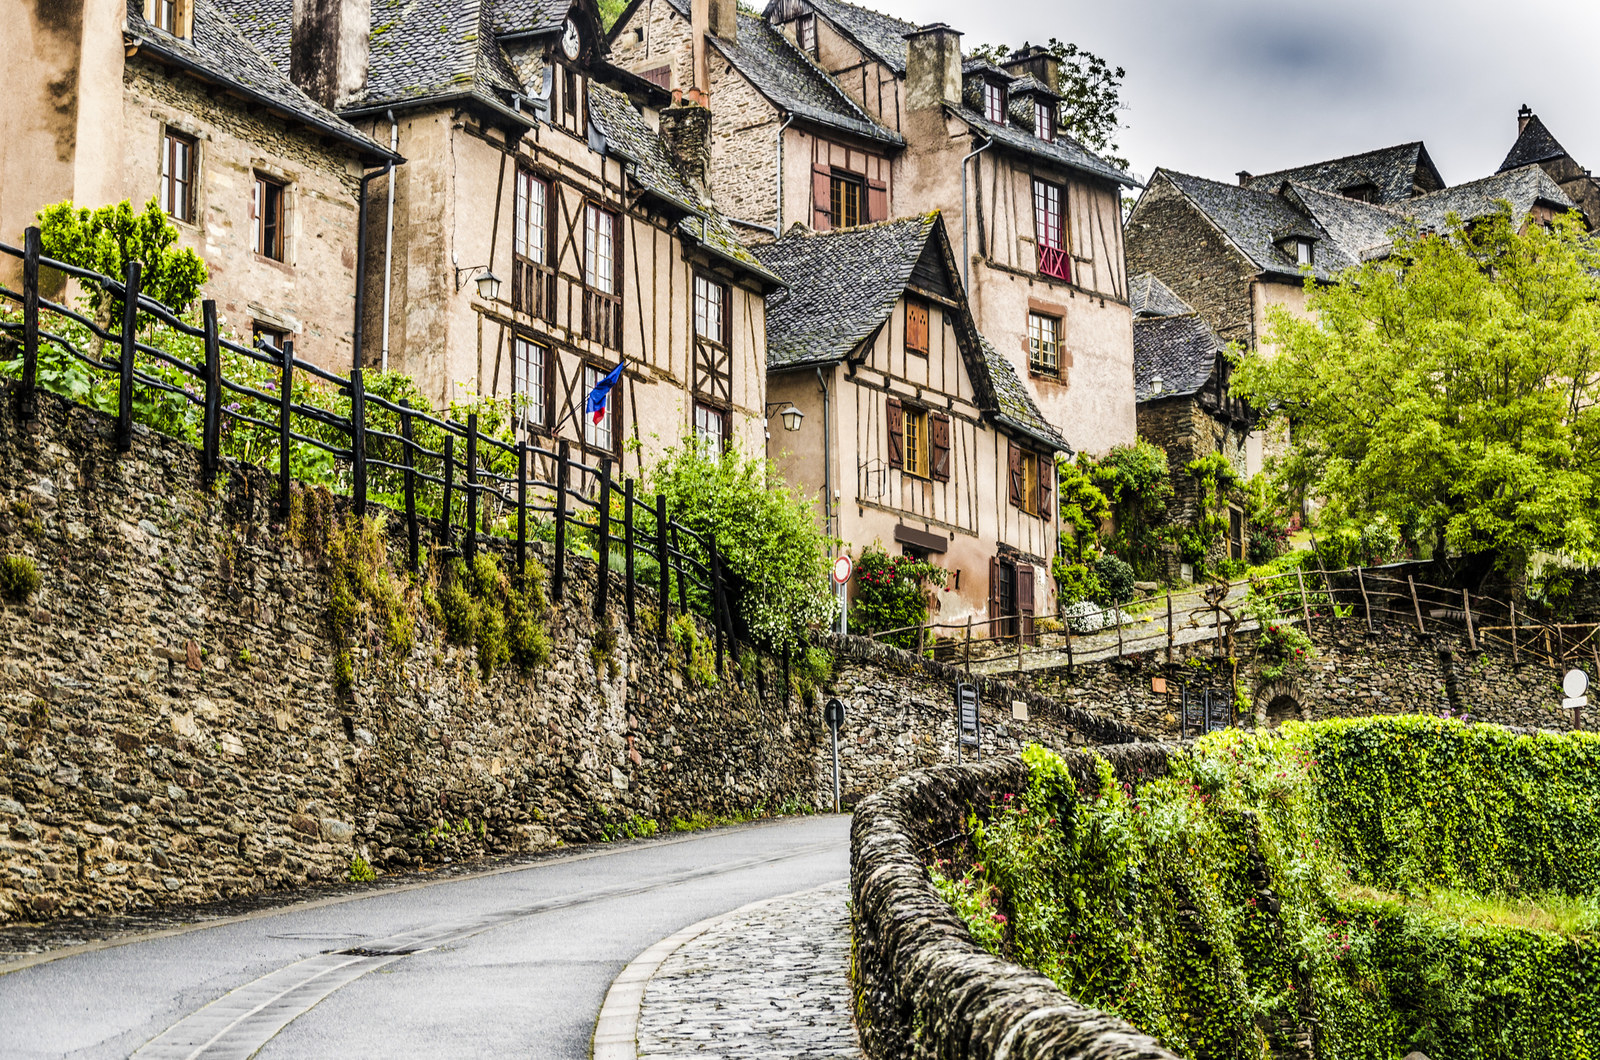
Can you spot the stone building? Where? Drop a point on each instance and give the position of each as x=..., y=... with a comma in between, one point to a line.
x=920, y=434
x=552, y=220
x=1536, y=146
x=140, y=100
x=893, y=122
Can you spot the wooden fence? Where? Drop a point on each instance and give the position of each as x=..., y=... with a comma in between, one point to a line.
x=487, y=473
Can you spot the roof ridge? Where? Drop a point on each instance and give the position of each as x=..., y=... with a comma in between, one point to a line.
x=1339, y=158
x=874, y=11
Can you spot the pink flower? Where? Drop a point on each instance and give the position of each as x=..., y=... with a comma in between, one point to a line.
x=999, y=918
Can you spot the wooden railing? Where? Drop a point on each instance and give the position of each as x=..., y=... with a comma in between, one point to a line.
x=602, y=318
x=533, y=289
x=1055, y=262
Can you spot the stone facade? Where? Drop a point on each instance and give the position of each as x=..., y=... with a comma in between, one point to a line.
x=1186, y=430
x=1172, y=240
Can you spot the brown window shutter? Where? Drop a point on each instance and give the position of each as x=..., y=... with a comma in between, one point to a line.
x=939, y=446
x=877, y=201
x=1025, y=600
x=895, y=417
x=995, y=623
x=1015, y=469
x=1047, y=481
x=821, y=189
x=916, y=327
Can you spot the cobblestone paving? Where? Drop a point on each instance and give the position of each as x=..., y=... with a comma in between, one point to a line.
x=769, y=983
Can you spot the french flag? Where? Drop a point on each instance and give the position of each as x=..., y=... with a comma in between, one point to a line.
x=595, y=406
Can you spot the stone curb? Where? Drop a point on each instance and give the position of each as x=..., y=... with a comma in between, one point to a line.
x=616, y=1031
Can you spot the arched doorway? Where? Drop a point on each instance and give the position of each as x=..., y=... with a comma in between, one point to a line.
x=1277, y=702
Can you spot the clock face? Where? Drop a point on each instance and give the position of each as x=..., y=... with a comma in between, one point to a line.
x=570, y=41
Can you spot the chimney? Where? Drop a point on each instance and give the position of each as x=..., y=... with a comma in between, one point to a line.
x=933, y=67
x=699, y=28
x=1523, y=115
x=1245, y=176
x=686, y=134
x=725, y=20
x=1036, y=62
x=328, y=48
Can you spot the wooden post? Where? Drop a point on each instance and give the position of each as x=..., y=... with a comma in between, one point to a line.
x=130, y=328
x=410, y=485
x=1066, y=627
x=627, y=546
x=677, y=562
x=716, y=594
x=664, y=568
x=1416, y=604
x=1305, y=603
x=522, y=507
x=211, y=429
x=602, y=542
x=967, y=651
x=1561, y=646
x=285, y=401
x=558, y=575
x=1366, y=604
x=1170, y=632
x=469, y=543
x=358, y=439
x=1019, y=642
x=32, y=251
x=1516, y=654
x=1472, y=634
x=1117, y=613
x=446, y=532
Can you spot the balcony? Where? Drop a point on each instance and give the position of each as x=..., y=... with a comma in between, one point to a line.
x=1055, y=263
x=533, y=289
x=602, y=318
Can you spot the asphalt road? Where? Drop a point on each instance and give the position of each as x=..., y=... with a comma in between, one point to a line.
x=515, y=963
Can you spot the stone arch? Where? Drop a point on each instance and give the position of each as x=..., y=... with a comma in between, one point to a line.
x=1279, y=701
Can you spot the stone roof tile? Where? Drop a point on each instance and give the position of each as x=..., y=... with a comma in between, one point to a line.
x=1149, y=297
x=1181, y=350
x=1393, y=171
x=1534, y=144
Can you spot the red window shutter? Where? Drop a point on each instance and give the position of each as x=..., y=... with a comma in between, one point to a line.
x=821, y=204
x=1047, y=481
x=895, y=417
x=1014, y=466
x=1025, y=600
x=877, y=201
x=916, y=327
x=939, y=446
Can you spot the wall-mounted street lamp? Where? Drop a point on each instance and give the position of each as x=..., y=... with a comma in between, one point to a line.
x=789, y=414
x=488, y=283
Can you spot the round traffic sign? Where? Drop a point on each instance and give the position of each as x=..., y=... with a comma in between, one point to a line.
x=1575, y=683
x=841, y=569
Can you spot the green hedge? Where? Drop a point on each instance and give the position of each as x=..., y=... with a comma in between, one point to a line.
x=1387, y=884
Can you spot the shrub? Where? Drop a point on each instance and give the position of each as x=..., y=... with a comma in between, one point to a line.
x=1075, y=581
x=1116, y=580
x=360, y=870
x=19, y=578
x=892, y=593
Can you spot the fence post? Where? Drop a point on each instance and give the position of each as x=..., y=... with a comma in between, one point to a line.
x=1416, y=604
x=130, y=326
x=1472, y=634
x=446, y=533
x=358, y=439
x=410, y=484
x=1305, y=604
x=285, y=400
x=1516, y=655
x=558, y=576
x=469, y=544
x=1366, y=604
x=627, y=544
x=1169, y=628
x=664, y=572
x=677, y=563
x=966, y=652
x=716, y=594
x=211, y=430
x=602, y=543
x=522, y=507
x=32, y=250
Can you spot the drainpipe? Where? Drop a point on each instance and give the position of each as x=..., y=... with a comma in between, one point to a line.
x=356, y=333
x=777, y=229
x=966, y=258
x=827, y=480
x=388, y=243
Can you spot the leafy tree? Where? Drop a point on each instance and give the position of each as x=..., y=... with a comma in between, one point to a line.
x=1452, y=390
x=1091, y=95
x=1135, y=482
x=105, y=240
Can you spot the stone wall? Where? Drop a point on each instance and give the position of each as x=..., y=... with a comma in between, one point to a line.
x=172, y=728
x=923, y=988
x=1169, y=237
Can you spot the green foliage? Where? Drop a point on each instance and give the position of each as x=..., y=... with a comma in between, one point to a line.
x=1198, y=544
x=768, y=538
x=809, y=670
x=19, y=578
x=892, y=593
x=1091, y=95
x=497, y=613
x=1075, y=581
x=1116, y=580
x=1400, y=882
x=1284, y=649
x=1451, y=389
x=633, y=826
x=1268, y=516
x=360, y=871
x=1084, y=507
x=106, y=239
x=1134, y=481
x=700, y=659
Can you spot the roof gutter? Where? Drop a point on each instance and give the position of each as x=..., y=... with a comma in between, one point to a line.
x=1056, y=444
x=512, y=116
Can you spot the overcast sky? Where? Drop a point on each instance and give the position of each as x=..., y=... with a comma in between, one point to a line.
x=1215, y=86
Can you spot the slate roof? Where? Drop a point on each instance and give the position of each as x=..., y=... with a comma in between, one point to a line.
x=881, y=36
x=841, y=287
x=1062, y=151
x=221, y=51
x=1534, y=144
x=1521, y=187
x=1392, y=169
x=1181, y=349
x=1149, y=297
x=1254, y=220
x=1361, y=229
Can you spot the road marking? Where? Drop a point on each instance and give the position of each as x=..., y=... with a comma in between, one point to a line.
x=239, y=1023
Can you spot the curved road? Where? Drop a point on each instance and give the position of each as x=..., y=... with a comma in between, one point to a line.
x=510, y=963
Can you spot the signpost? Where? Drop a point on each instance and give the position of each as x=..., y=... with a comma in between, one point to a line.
x=1575, y=684
x=969, y=730
x=833, y=714
x=842, y=568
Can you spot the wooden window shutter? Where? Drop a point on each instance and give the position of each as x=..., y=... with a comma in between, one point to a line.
x=995, y=624
x=1025, y=600
x=821, y=203
x=916, y=327
x=895, y=417
x=877, y=201
x=1015, y=468
x=939, y=446
x=1047, y=481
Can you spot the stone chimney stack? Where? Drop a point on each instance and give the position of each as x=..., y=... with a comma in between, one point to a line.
x=328, y=48
x=725, y=20
x=1524, y=113
x=686, y=134
x=1036, y=62
x=933, y=67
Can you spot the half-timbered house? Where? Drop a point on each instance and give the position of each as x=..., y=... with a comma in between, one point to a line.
x=917, y=435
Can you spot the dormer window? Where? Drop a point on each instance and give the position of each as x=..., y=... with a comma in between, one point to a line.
x=994, y=102
x=1044, y=120
x=1363, y=192
x=1303, y=254
x=805, y=34
x=172, y=16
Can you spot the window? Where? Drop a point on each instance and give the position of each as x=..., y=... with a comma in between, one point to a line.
x=661, y=76
x=710, y=310
x=602, y=306
x=599, y=435
x=177, y=175
x=569, y=91
x=845, y=193
x=916, y=442
x=1032, y=481
x=174, y=16
x=260, y=333
x=532, y=283
x=1044, y=344
x=1303, y=254
x=919, y=441
x=266, y=218
x=1044, y=120
x=994, y=102
x=1049, y=230
x=916, y=326
x=1363, y=192
x=530, y=380
x=805, y=34
x=711, y=427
